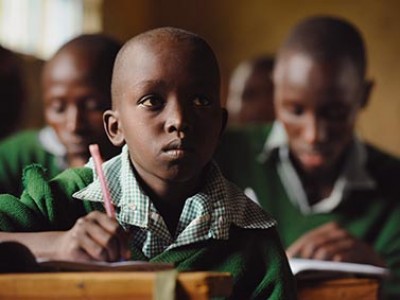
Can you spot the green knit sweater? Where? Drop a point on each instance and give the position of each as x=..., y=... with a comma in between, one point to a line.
x=371, y=215
x=255, y=258
x=19, y=151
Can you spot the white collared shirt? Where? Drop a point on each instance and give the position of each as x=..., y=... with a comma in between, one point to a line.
x=206, y=215
x=353, y=176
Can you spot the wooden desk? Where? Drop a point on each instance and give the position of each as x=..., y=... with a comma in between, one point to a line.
x=111, y=285
x=344, y=289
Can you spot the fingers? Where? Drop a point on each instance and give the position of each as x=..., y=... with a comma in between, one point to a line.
x=332, y=242
x=97, y=237
x=125, y=252
x=320, y=243
x=337, y=250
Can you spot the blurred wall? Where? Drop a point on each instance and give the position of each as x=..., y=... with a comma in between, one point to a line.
x=240, y=29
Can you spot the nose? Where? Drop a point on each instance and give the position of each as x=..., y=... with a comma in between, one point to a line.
x=315, y=130
x=74, y=119
x=178, y=118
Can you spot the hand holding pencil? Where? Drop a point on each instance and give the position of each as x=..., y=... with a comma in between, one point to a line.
x=96, y=236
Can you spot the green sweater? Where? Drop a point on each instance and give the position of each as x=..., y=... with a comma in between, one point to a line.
x=372, y=215
x=254, y=257
x=19, y=151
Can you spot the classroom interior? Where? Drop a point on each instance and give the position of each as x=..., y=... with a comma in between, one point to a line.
x=239, y=30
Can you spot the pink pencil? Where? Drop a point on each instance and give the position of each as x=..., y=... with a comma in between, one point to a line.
x=98, y=162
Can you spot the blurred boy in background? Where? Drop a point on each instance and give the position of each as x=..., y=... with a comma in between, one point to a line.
x=76, y=91
x=250, y=95
x=334, y=196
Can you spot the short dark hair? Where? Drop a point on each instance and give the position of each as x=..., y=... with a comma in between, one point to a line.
x=328, y=38
x=98, y=50
x=169, y=33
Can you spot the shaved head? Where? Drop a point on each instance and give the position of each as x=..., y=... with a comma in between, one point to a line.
x=76, y=84
x=95, y=53
x=327, y=39
x=156, y=41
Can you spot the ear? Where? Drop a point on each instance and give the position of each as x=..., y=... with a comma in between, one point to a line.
x=112, y=127
x=224, y=120
x=368, y=86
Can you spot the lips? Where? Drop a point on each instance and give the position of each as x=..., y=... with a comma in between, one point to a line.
x=177, y=149
x=77, y=144
x=314, y=157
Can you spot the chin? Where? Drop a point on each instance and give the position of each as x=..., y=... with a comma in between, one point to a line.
x=181, y=174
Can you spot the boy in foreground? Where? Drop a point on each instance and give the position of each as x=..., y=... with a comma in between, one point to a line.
x=172, y=203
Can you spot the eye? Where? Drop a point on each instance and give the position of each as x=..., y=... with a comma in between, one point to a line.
x=57, y=106
x=92, y=104
x=295, y=109
x=151, y=102
x=336, y=114
x=201, y=101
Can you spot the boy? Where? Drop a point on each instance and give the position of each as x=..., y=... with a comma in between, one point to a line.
x=12, y=91
x=335, y=196
x=250, y=94
x=172, y=201
x=76, y=91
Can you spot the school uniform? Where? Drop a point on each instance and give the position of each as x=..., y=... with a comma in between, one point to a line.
x=219, y=229
x=365, y=199
x=27, y=147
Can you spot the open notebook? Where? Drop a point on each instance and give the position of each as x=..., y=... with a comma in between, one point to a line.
x=311, y=268
x=133, y=265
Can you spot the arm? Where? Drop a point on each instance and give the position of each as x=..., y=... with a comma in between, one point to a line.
x=54, y=225
x=93, y=237
x=332, y=242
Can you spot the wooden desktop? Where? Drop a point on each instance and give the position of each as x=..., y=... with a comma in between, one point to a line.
x=163, y=285
x=115, y=285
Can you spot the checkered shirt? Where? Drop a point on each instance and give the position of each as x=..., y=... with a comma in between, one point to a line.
x=206, y=215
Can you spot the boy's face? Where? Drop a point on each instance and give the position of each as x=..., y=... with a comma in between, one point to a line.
x=250, y=98
x=74, y=106
x=318, y=104
x=168, y=110
x=256, y=98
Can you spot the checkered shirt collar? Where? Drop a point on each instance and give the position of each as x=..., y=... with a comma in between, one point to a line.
x=205, y=215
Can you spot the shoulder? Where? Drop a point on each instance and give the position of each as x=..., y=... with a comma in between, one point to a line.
x=74, y=179
x=378, y=160
x=245, y=212
x=24, y=146
x=36, y=181
x=25, y=138
x=239, y=149
x=256, y=135
x=384, y=169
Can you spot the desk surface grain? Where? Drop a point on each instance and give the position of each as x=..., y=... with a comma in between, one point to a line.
x=110, y=285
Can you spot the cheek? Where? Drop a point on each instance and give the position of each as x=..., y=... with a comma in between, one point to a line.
x=293, y=129
x=341, y=134
x=53, y=117
x=55, y=120
x=209, y=136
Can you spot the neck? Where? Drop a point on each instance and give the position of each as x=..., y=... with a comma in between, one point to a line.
x=76, y=161
x=319, y=184
x=169, y=196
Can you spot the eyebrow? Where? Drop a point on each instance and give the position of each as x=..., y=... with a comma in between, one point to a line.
x=146, y=83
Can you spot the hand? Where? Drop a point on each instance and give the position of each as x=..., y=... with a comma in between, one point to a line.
x=93, y=237
x=332, y=242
